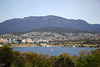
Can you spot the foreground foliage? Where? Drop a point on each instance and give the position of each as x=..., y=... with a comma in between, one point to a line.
x=10, y=58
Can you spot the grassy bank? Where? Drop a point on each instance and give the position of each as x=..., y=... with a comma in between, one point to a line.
x=24, y=45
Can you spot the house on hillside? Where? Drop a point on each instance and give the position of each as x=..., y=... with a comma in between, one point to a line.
x=28, y=40
x=23, y=40
x=1, y=42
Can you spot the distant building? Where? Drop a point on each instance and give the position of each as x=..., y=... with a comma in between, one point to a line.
x=1, y=42
x=0, y=45
x=43, y=45
x=28, y=40
x=23, y=40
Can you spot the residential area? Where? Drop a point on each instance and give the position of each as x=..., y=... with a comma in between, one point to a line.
x=46, y=37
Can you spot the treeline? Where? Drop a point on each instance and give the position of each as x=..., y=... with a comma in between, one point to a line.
x=10, y=58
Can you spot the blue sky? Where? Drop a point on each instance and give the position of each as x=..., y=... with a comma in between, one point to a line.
x=88, y=10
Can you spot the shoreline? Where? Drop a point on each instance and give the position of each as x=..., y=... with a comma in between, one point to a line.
x=61, y=46
x=53, y=46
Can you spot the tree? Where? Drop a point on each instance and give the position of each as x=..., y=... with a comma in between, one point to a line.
x=64, y=60
x=18, y=60
x=86, y=59
x=6, y=55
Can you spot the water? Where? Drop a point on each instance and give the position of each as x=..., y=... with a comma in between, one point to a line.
x=53, y=50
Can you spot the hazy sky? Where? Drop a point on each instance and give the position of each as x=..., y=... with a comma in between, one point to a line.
x=88, y=10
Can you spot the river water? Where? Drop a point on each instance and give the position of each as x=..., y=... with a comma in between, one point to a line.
x=53, y=50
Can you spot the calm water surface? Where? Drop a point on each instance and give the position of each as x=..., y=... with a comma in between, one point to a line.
x=53, y=50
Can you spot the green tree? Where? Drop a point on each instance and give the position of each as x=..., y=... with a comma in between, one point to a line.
x=64, y=60
x=6, y=55
x=86, y=59
x=18, y=60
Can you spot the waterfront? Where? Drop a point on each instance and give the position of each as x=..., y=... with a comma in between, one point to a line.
x=53, y=50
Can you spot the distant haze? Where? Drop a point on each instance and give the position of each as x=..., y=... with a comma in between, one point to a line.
x=88, y=10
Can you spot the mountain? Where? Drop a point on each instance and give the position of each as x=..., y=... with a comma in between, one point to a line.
x=51, y=29
x=55, y=29
x=34, y=22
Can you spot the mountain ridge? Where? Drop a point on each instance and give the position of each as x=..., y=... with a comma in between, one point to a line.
x=34, y=22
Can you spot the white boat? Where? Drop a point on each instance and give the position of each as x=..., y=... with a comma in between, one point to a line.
x=73, y=46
